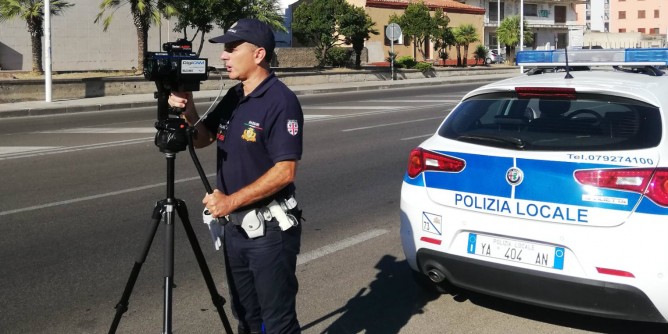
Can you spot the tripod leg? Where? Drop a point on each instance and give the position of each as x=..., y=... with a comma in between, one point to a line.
x=122, y=305
x=168, y=265
x=217, y=299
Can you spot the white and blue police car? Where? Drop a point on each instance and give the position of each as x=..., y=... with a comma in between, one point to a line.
x=551, y=188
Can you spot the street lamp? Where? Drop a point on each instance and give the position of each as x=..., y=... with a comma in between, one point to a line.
x=498, y=25
x=521, y=31
x=47, y=50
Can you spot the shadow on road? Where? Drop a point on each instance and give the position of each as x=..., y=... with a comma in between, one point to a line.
x=374, y=310
x=560, y=318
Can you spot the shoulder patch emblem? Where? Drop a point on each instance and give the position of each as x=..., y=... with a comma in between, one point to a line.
x=293, y=127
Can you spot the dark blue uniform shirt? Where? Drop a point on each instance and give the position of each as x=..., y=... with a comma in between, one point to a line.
x=255, y=132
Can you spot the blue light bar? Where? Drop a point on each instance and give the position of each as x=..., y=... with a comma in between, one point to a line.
x=596, y=57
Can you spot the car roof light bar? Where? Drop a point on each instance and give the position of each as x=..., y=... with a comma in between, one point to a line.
x=598, y=57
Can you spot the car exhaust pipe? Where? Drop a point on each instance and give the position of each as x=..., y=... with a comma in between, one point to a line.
x=435, y=275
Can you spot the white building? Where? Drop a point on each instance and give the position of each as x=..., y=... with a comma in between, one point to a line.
x=553, y=22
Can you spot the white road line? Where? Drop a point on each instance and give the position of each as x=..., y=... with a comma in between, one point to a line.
x=20, y=149
x=416, y=137
x=412, y=101
x=349, y=107
x=390, y=124
x=58, y=150
x=335, y=247
x=103, y=130
x=93, y=197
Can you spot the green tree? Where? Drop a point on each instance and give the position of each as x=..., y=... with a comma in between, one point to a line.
x=465, y=34
x=509, y=34
x=417, y=23
x=357, y=27
x=480, y=53
x=143, y=12
x=315, y=23
x=32, y=12
x=442, y=34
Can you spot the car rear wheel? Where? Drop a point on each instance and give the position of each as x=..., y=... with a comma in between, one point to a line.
x=488, y=61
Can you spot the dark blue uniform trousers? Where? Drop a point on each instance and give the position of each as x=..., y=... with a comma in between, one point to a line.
x=262, y=279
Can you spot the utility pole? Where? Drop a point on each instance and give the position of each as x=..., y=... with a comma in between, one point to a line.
x=521, y=31
x=47, y=50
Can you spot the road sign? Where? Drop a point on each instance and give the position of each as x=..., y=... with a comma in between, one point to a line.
x=393, y=31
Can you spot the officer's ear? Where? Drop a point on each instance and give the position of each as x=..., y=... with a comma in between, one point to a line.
x=259, y=55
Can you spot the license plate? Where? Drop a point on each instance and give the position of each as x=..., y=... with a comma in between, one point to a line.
x=516, y=251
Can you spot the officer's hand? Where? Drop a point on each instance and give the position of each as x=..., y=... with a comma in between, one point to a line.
x=218, y=204
x=179, y=99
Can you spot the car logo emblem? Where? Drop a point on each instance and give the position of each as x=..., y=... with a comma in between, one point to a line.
x=514, y=176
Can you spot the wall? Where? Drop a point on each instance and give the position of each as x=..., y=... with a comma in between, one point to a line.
x=79, y=44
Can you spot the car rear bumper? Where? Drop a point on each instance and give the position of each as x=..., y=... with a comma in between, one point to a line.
x=580, y=295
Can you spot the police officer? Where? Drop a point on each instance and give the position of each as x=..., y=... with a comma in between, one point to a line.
x=258, y=128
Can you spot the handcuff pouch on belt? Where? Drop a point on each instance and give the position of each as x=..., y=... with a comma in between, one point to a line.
x=253, y=220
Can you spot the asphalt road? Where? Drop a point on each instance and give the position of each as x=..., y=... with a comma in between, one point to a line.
x=78, y=192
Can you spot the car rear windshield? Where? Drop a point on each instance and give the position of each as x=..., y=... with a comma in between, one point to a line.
x=589, y=122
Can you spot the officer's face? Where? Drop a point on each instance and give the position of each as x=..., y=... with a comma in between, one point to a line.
x=240, y=59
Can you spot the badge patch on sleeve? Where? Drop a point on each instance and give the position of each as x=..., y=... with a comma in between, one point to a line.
x=293, y=127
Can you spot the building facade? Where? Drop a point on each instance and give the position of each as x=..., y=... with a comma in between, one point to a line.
x=554, y=23
x=379, y=46
x=643, y=16
x=624, y=23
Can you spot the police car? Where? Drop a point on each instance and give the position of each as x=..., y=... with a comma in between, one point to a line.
x=551, y=188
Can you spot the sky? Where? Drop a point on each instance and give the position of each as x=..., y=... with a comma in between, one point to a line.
x=286, y=3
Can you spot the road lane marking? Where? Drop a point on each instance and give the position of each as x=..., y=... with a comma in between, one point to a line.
x=341, y=245
x=412, y=101
x=350, y=107
x=21, y=149
x=390, y=124
x=58, y=150
x=98, y=196
x=416, y=137
x=103, y=130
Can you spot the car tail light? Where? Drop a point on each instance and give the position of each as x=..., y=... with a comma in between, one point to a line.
x=545, y=92
x=421, y=160
x=652, y=183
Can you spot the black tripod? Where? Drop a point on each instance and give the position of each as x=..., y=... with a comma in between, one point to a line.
x=173, y=136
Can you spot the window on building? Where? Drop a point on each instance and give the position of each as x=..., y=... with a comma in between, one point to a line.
x=622, y=29
x=641, y=14
x=492, y=40
x=622, y=15
x=562, y=40
x=530, y=9
x=493, y=10
x=641, y=30
x=656, y=14
x=654, y=31
x=559, y=14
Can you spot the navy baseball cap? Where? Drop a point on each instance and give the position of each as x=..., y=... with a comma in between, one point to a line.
x=249, y=30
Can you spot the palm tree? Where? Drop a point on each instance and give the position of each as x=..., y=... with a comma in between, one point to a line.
x=32, y=11
x=509, y=34
x=143, y=13
x=465, y=35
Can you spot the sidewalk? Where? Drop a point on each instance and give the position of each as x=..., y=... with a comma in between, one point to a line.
x=41, y=108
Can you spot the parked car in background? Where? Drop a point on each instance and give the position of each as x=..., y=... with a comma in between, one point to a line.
x=494, y=58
